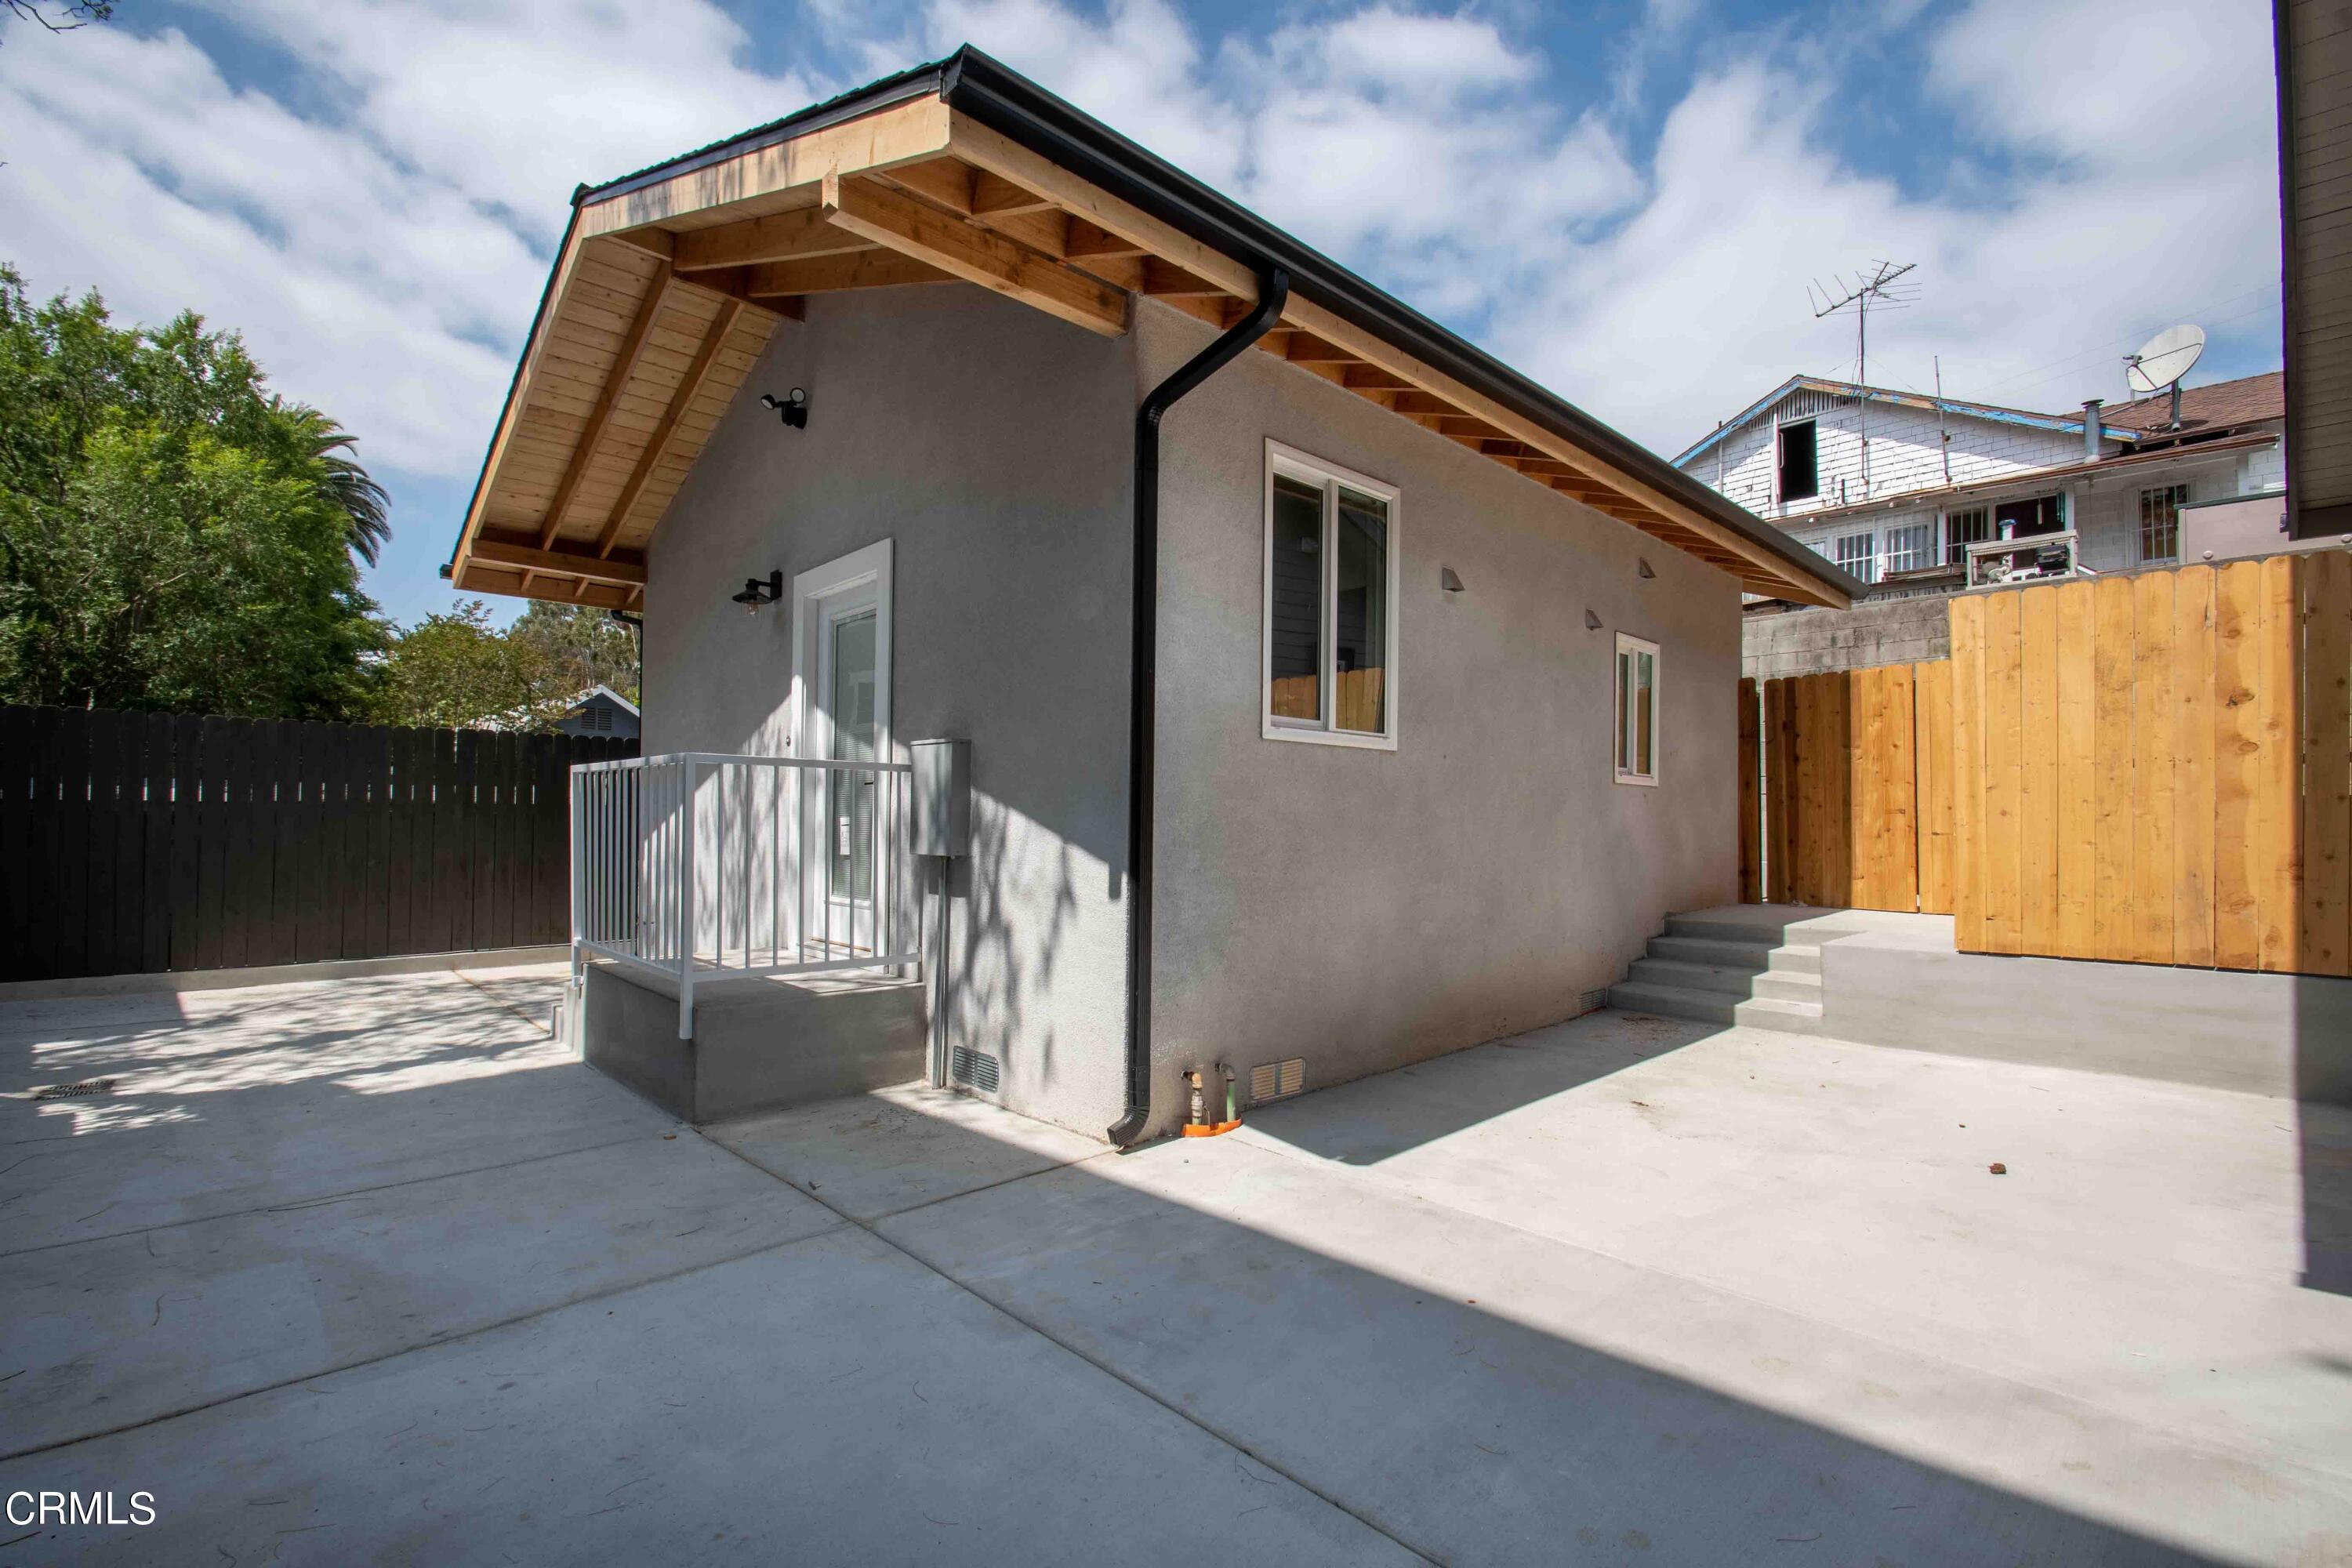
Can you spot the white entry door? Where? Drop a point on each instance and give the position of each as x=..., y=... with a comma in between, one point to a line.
x=842, y=680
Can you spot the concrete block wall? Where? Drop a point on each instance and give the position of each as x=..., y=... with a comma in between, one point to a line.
x=1810, y=641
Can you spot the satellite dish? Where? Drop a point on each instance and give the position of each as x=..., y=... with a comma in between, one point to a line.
x=2164, y=359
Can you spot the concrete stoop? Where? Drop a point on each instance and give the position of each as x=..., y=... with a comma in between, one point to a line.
x=1717, y=968
x=759, y=1045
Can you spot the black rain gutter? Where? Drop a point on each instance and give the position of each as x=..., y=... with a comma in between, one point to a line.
x=1142, y=697
x=971, y=83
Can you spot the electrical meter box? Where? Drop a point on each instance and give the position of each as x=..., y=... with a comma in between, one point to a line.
x=942, y=791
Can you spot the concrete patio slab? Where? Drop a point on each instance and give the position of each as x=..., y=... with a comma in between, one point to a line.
x=131, y=1327
x=827, y=1402
x=897, y=1149
x=390, y=1276
x=1486, y=1395
x=277, y=1096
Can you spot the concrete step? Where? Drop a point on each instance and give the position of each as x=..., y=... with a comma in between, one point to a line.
x=1734, y=982
x=1767, y=934
x=1716, y=1007
x=1736, y=954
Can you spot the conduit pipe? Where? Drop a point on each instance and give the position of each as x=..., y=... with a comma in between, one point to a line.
x=1142, y=721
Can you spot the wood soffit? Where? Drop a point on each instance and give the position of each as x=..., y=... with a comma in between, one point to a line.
x=666, y=295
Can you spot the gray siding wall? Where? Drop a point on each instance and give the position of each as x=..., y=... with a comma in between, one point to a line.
x=1365, y=909
x=991, y=444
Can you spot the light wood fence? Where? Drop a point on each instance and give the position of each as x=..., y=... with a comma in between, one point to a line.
x=2158, y=768
x=2155, y=769
x=1857, y=784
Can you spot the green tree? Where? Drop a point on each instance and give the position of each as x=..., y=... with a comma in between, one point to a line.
x=172, y=535
x=458, y=671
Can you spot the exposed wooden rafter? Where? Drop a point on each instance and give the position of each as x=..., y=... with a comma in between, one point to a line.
x=916, y=229
x=783, y=238
x=657, y=447
x=909, y=193
x=625, y=365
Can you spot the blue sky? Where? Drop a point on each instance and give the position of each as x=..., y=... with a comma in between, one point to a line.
x=1625, y=200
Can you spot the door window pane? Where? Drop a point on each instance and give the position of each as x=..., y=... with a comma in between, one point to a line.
x=1296, y=635
x=1361, y=628
x=850, y=796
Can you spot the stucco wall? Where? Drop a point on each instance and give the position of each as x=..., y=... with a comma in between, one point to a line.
x=991, y=444
x=1365, y=909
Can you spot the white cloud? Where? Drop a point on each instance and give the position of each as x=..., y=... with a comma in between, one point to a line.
x=384, y=243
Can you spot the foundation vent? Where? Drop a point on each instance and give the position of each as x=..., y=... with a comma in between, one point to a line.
x=1591, y=1001
x=977, y=1068
x=1274, y=1080
x=82, y=1090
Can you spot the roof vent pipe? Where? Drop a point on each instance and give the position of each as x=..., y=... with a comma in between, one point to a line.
x=2091, y=429
x=1142, y=721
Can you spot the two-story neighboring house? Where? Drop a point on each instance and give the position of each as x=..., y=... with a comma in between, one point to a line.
x=1923, y=497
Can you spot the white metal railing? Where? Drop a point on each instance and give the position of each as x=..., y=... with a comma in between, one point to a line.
x=700, y=866
x=2039, y=557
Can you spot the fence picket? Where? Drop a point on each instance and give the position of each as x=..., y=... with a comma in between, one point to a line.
x=157, y=841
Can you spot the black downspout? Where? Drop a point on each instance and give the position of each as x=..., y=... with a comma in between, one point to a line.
x=1142, y=723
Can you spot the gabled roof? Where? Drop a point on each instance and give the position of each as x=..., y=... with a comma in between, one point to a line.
x=600, y=689
x=671, y=281
x=2204, y=410
x=1854, y=391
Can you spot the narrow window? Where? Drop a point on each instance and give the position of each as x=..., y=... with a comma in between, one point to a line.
x=1911, y=547
x=1331, y=604
x=2159, y=522
x=1637, y=710
x=1800, y=460
x=1969, y=525
x=1858, y=553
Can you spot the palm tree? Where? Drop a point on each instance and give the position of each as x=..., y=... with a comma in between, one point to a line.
x=342, y=482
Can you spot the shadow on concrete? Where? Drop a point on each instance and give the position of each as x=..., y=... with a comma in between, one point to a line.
x=2323, y=1072
x=1406, y=1106
x=1463, y=1431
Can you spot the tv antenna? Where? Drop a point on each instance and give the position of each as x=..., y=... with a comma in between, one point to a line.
x=2162, y=361
x=1877, y=286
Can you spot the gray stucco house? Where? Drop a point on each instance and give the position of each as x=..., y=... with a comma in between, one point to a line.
x=1334, y=696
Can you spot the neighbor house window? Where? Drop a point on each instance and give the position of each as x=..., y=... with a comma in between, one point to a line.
x=1858, y=553
x=1969, y=525
x=1637, y=710
x=2159, y=522
x=1800, y=465
x=1330, y=603
x=1911, y=547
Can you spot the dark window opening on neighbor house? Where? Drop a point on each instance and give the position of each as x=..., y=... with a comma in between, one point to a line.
x=2025, y=519
x=1800, y=468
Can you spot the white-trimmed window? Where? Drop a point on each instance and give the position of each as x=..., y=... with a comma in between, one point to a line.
x=1637, y=710
x=1911, y=547
x=2159, y=522
x=1331, y=566
x=1858, y=553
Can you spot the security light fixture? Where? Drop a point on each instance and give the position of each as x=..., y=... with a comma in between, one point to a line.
x=756, y=592
x=1448, y=579
x=1641, y=564
x=792, y=407
x=1591, y=622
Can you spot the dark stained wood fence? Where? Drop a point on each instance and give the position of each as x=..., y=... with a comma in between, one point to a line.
x=143, y=842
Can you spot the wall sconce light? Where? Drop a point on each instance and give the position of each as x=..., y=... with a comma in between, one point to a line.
x=756, y=592
x=792, y=406
x=1448, y=581
x=1641, y=564
x=1591, y=621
